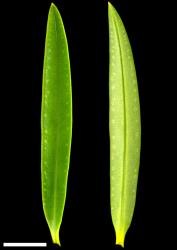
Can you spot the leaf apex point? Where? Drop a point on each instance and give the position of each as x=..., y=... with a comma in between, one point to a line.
x=52, y=6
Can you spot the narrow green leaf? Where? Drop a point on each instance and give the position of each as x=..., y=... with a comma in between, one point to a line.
x=56, y=122
x=124, y=125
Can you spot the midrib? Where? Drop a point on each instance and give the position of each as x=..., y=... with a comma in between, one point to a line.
x=56, y=153
x=124, y=117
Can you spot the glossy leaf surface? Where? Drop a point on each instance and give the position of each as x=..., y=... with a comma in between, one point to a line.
x=124, y=125
x=56, y=122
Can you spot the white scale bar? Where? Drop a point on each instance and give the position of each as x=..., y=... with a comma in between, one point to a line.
x=9, y=244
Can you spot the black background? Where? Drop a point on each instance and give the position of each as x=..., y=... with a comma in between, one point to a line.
x=87, y=219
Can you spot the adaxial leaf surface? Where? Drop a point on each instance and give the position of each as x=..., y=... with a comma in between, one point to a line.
x=56, y=122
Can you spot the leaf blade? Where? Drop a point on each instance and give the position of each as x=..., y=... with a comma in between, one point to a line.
x=56, y=122
x=125, y=133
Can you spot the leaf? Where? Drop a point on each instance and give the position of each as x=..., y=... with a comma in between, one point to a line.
x=124, y=126
x=56, y=122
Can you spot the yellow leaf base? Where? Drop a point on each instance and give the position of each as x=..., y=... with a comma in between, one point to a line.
x=55, y=237
x=120, y=237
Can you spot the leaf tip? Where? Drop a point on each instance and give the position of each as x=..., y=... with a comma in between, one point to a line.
x=109, y=5
x=52, y=7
